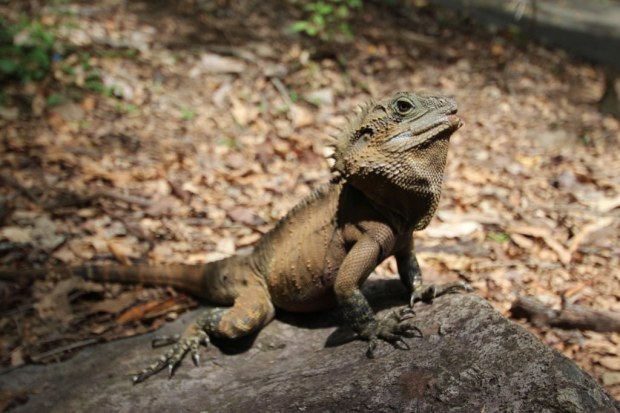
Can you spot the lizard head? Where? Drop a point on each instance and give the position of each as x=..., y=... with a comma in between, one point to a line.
x=395, y=152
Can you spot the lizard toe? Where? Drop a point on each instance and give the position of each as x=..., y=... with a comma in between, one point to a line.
x=391, y=329
x=162, y=341
x=372, y=346
x=172, y=358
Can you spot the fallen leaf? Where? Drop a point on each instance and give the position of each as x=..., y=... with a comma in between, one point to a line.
x=16, y=235
x=610, y=362
x=153, y=309
x=587, y=231
x=300, y=116
x=120, y=251
x=244, y=215
x=114, y=305
x=453, y=229
x=545, y=234
x=226, y=246
x=55, y=304
x=604, y=205
x=214, y=63
x=522, y=241
x=610, y=378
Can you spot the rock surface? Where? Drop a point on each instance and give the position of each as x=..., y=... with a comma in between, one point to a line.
x=471, y=359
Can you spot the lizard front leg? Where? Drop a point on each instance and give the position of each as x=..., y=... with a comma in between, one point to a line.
x=356, y=267
x=411, y=276
x=251, y=311
x=409, y=272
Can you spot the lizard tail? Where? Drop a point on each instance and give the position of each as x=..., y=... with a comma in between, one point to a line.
x=22, y=277
x=187, y=278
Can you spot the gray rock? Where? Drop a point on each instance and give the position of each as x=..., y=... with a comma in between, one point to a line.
x=471, y=359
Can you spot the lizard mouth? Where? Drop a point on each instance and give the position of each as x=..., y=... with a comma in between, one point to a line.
x=454, y=121
x=441, y=127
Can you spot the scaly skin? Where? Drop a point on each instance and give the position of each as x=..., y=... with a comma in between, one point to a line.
x=389, y=167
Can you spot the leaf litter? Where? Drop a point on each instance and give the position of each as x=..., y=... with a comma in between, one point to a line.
x=213, y=129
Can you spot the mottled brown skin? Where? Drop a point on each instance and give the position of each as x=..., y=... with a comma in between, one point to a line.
x=389, y=165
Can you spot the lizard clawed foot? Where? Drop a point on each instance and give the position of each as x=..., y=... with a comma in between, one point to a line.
x=432, y=291
x=393, y=329
x=173, y=357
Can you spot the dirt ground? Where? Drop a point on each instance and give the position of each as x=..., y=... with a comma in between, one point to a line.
x=214, y=122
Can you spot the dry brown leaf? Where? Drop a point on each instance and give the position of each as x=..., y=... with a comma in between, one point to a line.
x=522, y=241
x=610, y=378
x=545, y=234
x=220, y=64
x=114, y=305
x=301, y=117
x=153, y=309
x=162, y=206
x=244, y=215
x=16, y=234
x=587, y=231
x=121, y=252
x=226, y=246
x=453, y=229
x=610, y=362
x=55, y=304
x=137, y=312
x=607, y=204
x=243, y=113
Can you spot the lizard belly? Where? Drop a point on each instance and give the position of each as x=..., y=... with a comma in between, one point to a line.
x=302, y=278
x=304, y=292
x=303, y=254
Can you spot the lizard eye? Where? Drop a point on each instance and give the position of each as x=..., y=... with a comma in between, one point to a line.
x=404, y=106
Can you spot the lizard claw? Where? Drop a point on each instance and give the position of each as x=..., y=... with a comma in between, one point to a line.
x=196, y=358
x=400, y=343
x=405, y=313
x=172, y=358
x=372, y=346
x=163, y=341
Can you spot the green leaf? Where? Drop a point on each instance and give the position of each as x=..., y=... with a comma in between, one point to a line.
x=500, y=237
x=54, y=100
x=188, y=114
x=8, y=66
x=300, y=26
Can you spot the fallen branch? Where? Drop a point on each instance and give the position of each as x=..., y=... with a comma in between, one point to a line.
x=569, y=317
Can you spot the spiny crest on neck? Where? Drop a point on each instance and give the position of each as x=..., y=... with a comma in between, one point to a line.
x=341, y=143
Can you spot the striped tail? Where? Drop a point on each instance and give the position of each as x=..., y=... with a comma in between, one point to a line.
x=22, y=277
x=187, y=278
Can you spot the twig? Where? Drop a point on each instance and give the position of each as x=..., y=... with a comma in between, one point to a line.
x=569, y=317
x=277, y=83
x=38, y=358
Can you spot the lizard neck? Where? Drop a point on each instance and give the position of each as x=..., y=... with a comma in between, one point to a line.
x=410, y=191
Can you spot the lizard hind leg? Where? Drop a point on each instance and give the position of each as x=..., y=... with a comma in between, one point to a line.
x=251, y=311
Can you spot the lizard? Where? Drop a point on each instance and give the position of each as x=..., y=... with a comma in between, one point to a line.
x=388, y=166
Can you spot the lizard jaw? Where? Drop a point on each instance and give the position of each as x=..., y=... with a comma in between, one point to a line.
x=454, y=121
